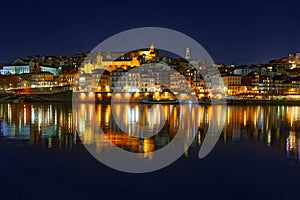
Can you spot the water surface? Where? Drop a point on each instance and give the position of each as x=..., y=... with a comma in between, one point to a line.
x=42, y=152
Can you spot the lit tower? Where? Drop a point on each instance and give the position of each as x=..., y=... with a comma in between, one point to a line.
x=99, y=61
x=152, y=48
x=187, y=54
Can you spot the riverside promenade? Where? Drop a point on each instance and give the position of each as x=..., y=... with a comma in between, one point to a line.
x=105, y=98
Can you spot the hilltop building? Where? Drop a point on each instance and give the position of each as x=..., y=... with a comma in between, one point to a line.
x=23, y=68
x=129, y=59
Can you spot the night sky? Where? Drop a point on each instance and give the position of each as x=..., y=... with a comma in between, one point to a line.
x=239, y=32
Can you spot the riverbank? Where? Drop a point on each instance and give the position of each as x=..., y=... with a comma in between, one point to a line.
x=65, y=96
x=105, y=98
x=263, y=102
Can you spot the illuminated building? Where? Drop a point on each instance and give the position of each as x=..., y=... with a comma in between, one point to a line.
x=67, y=77
x=233, y=83
x=296, y=85
x=101, y=80
x=43, y=79
x=124, y=60
x=187, y=54
x=109, y=65
x=148, y=78
x=15, y=69
x=32, y=80
x=120, y=81
x=84, y=83
x=28, y=68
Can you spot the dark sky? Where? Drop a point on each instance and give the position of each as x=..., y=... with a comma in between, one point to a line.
x=240, y=32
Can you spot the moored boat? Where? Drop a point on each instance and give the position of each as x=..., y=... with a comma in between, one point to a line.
x=158, y=101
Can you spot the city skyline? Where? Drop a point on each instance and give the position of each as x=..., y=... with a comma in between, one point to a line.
x=115, y=56
x=232, y=32
x=149, y=99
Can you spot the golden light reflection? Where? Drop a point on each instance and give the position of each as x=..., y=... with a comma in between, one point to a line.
x=148, y=145
x=272, y=125
x=99, y=112
x=131, y=115
x=25, y=115
x=219, y=110
x=292, y=141
x=228, y=115
x=269, y=137
x=255, y=118
x=40, y=119
x=9, y=113
x=32, y=114
x=245, y=117
x=166, y=110
x=292, y=114
x=200, y=115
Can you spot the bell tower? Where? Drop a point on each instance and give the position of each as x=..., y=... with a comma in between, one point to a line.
x=187, y=54
x=152, y=48
x=99, y=61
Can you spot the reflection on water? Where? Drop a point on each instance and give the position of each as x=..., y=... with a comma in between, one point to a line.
x=47, y=124
x=53, y=125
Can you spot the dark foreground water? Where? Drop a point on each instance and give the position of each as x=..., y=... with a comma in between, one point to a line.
x=42, y=157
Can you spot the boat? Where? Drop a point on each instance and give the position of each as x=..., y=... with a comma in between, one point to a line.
x=151, y=100
x=158, y=101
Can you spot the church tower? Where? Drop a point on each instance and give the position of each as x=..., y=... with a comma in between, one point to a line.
x=187, y=54
x=152, y=48
x=98, y=64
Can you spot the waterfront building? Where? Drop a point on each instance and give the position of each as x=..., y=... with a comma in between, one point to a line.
x=42, y=79
x=84, y=82
x=148, y=78
x=68, y=77
x=8, y=82
x=281, y=84
x=120, y=80
x=295, y=89
x=232, y=84
x=101, y=80
x=32, y=80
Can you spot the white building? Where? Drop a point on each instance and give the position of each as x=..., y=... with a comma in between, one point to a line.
x=24, y=69
x=243, y=71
